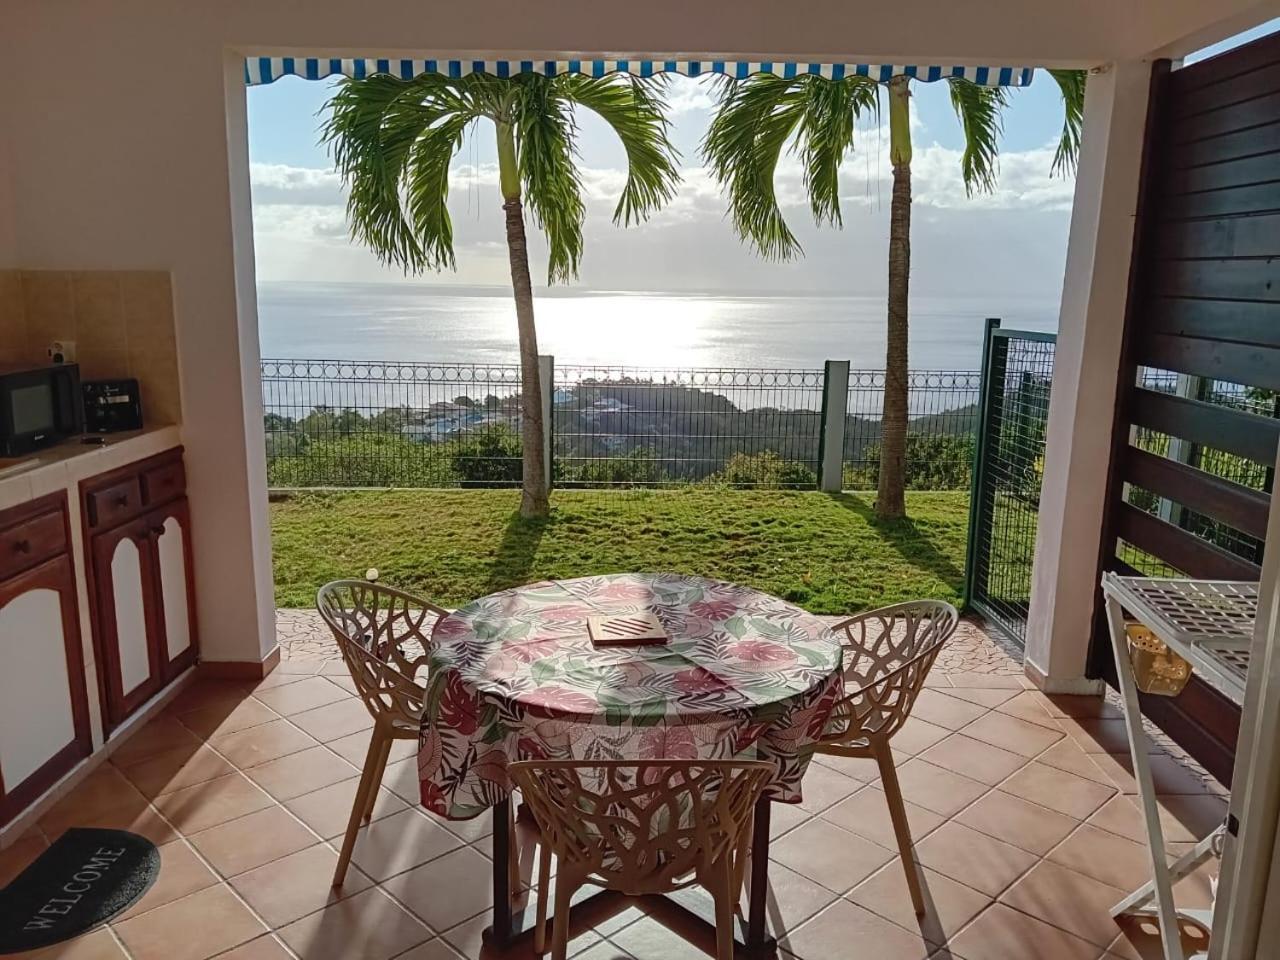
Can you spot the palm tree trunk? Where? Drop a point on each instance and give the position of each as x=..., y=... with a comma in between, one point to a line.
x=890, y=500
x=534, y=501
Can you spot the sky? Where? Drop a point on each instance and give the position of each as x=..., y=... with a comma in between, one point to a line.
x=1011, y=243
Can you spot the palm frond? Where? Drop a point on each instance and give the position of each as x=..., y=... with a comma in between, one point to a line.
x=1072, y=84
x=545, y=132
x=831, y=112
x=979, y=109
x=635, y=109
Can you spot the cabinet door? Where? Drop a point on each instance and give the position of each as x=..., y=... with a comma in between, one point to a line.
x=42, y=679
x=170, y=529
x=124, y=594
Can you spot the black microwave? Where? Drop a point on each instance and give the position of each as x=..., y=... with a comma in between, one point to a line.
x=39, y=406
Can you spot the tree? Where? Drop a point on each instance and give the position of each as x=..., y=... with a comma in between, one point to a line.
x=393, y=140
x=758, y=117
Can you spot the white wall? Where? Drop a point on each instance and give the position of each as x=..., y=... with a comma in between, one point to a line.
x=126, y=152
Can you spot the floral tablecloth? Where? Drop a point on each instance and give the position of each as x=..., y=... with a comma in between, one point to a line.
x=515, y=676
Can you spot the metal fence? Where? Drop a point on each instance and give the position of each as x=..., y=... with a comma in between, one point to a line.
x=1005, y=505
x=352, y=424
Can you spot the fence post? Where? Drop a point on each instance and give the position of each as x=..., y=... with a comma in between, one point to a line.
x=547, y=388
x=835, y=403
x=976, y=486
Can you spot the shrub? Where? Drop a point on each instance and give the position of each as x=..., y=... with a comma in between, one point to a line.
x=364, y=460
x=765, y=470
x=491, y=457
x=934, y=462
x=634, y=468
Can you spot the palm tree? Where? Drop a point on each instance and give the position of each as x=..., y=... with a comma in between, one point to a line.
x=758, y=117
x=393, y=141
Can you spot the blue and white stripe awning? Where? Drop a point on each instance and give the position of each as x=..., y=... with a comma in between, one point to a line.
x=260, y=70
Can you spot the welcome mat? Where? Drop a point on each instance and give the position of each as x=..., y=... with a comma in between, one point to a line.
x=83, y=879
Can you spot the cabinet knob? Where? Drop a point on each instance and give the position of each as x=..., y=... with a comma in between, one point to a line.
x=157, y=531
x=22, y=546
x=121, y=501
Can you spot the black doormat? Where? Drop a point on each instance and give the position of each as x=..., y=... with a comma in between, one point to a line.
x=85, y=878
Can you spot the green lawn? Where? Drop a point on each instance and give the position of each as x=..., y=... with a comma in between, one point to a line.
x=823, y=551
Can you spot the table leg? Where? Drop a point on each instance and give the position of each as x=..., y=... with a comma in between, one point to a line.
x=756, y=904
x=500, y=932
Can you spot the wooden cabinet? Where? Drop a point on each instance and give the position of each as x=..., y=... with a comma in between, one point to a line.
x=44, y=713
x=138, y=532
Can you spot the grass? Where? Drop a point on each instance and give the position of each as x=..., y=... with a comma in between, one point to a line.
x=826, y=552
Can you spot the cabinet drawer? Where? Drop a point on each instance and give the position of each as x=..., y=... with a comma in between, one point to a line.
x=163, y=483
x=31, y=542
x=114, y=504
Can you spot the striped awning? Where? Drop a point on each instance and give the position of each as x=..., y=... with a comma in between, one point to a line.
x=260, y=70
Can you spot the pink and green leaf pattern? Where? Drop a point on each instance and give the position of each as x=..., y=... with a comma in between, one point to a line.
x=515, y=676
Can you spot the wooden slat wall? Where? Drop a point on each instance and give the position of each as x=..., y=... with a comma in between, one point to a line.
x=1204, y=300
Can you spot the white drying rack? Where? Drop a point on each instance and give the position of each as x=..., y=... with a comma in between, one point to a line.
x=1209, y=623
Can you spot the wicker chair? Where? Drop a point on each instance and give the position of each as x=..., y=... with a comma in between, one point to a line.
x=383, y=634
x=888, y=653
x=640, y=828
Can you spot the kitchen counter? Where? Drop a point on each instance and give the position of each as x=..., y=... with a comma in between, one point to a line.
x=64, y=465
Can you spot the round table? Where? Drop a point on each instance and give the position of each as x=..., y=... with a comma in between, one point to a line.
x=516, y=675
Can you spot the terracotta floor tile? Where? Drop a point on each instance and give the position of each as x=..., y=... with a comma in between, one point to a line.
x=401, y=778
x=138, y=817
x=369, y=925
x=194, y=928
x=945, y=710
x=293, y=886
x=1068, y=705
x=866, y=813
x=220, y=718
x=206, y=805
x=182, y=873
x=1027, y=825
x=917, y=735
x=446, y=891
x=1169, y=775
x=1030, y=705
x=1058, y=790
x=974, y=859
x=989, y=698
x=784, y=817
x=602, y=951
x=248, y=842
x=335, y=720
x=1013, y=734
x=206, y=693
x=160, y=735
x=948, y=905
x=306, y=694
x=276, y=678
x=328, y=810
x=936, y=789
x=403, y=840
x=301, y=667
x=264, y=948
x=862, y=769
x=298, y=773
x=96, y=945
x=268, y=741
x=477, y=828
x=648, y=937
x=988, y=681
x=175, y=769
x=1100, y=735
x=355, y=747
x=19, y=855
x=974, y=759
x=1068, y=900
x=1107, y=858
x=1002, y=933
x=823, y=787
x=834, y=931
x=828, y=855
x=1184, y=818
x=1067, y=755
x=102, y=792
x=437, y=949
x=344, y=682
x=793, y=898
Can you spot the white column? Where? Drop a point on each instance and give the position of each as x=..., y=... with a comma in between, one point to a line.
x=547, y=387
x=835, y=403
x=1086, y=366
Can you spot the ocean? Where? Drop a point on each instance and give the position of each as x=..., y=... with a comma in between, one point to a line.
x=453, y=324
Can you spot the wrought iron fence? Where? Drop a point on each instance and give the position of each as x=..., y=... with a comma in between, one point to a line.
x=353, y=424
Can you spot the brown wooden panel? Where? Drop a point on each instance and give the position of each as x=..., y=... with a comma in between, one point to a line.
x=1233, y=63
x=1257, y=366
x=1227, y=119
x=1232, y=146
x=1221, y=428
x=1257, y=236
x=114, y=504
x=31, y=542
x=1180, y=549
x=1263, y=168
x=1255, y=83
x=1227, y=321
x=1222, y=203
x=1217, y=279
x=1232, y=504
